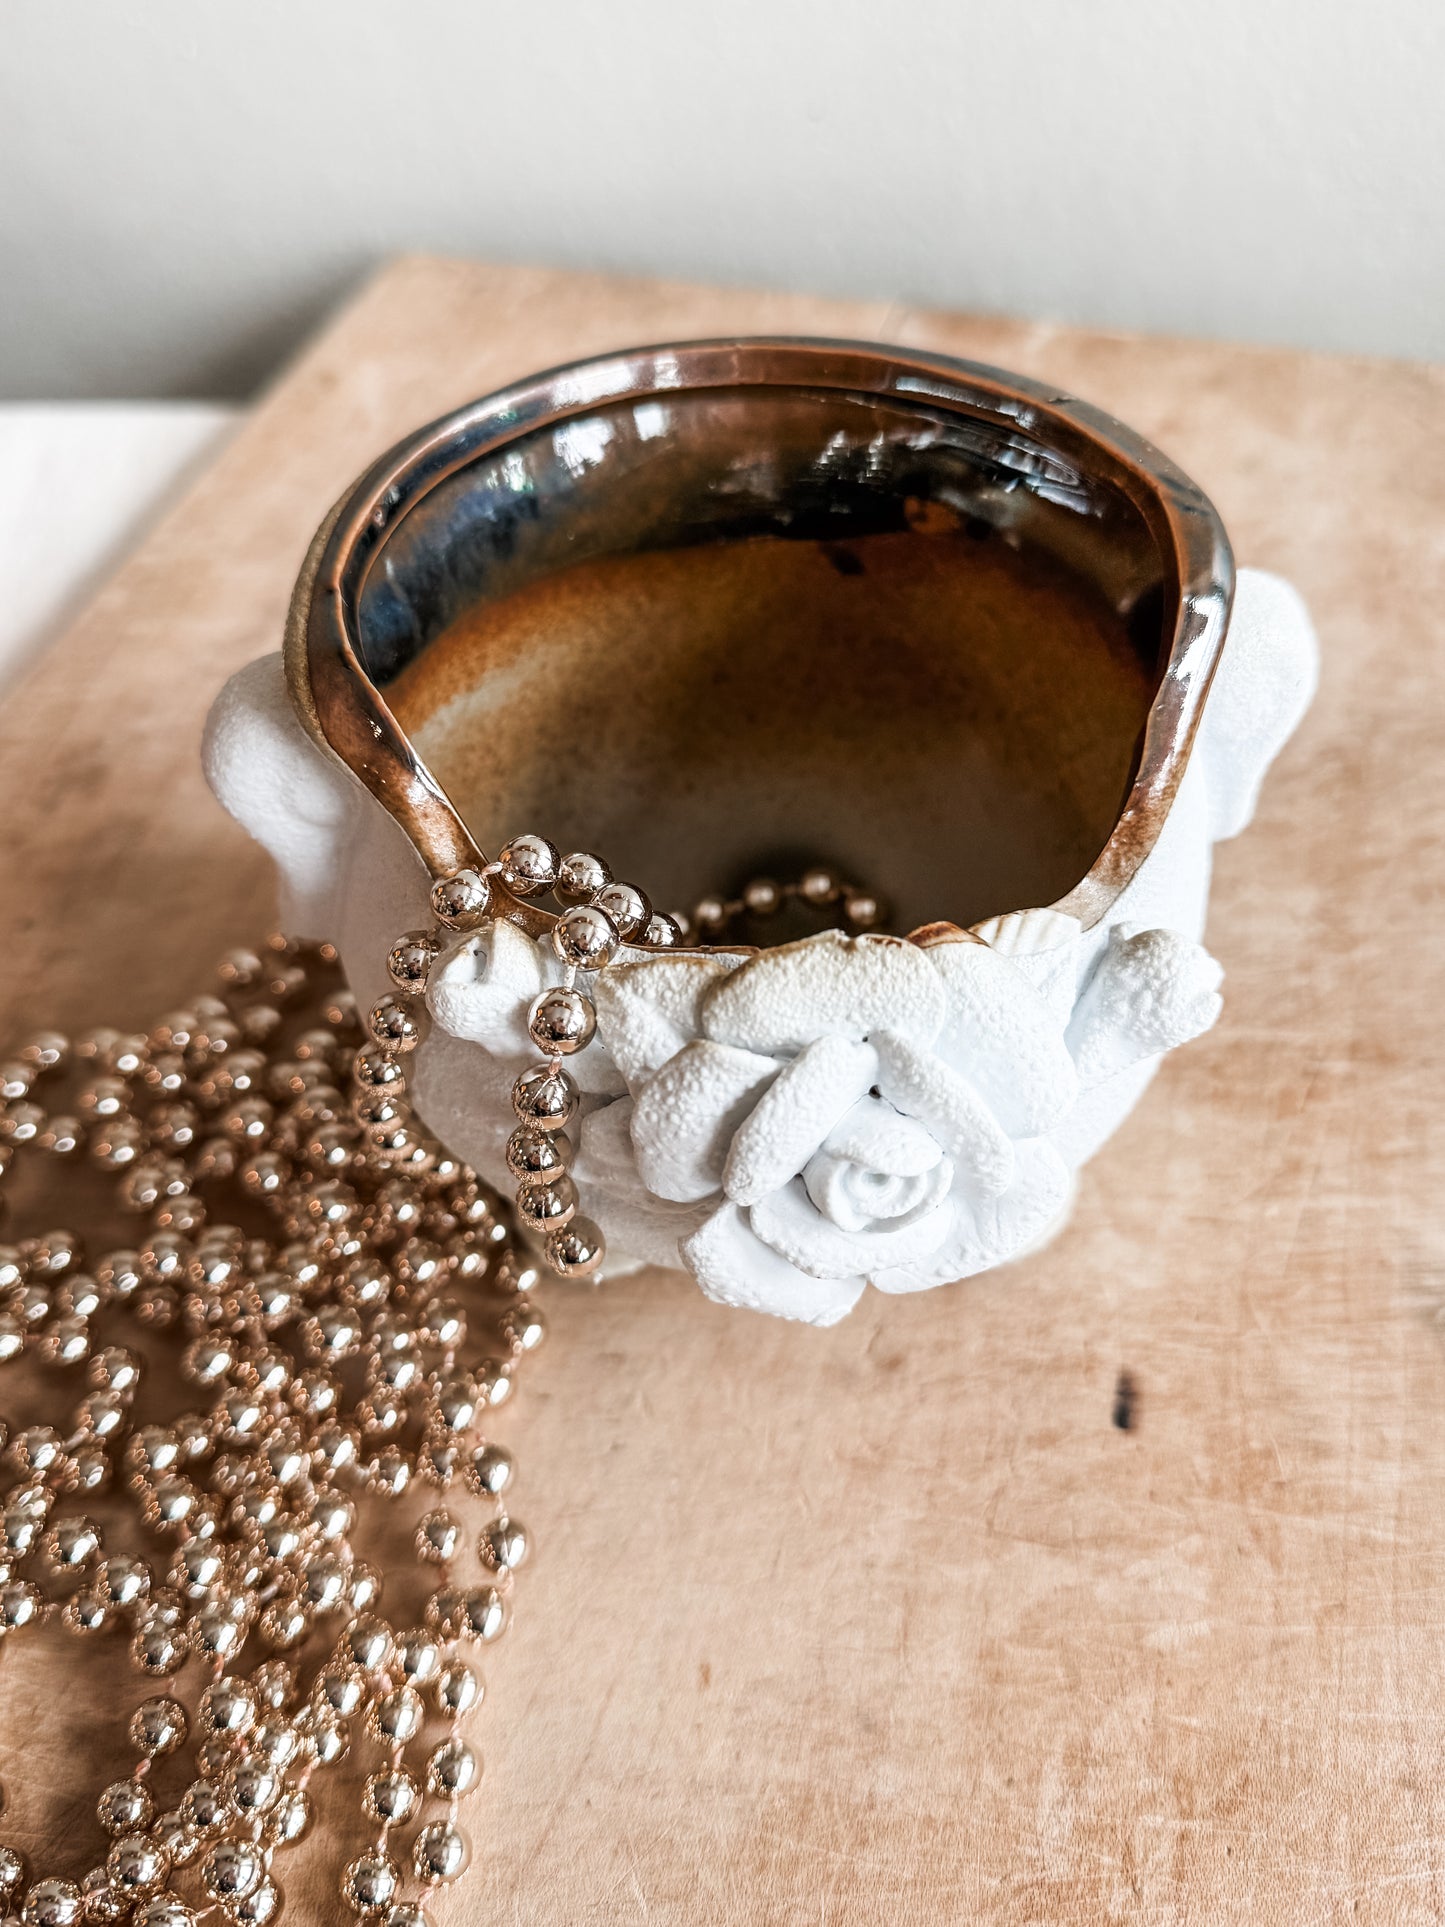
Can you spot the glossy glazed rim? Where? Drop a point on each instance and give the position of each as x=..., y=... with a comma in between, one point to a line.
x=347, y=715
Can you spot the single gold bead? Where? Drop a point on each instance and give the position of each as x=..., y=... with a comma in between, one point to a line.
x=370, y=1883
x=460, y=899
x=284, y=1623
x=227, y=1709
x=409, y=962
x=273, y=1683
x=528, y=865
x=523, y=1327
x=125, y=1807
x=165, y=1072
x=65, y=1341
x=61, y=1137
x=175, y=1030
x=202, y=1809
x=586, y=937
x=101, y=1903
x=375, y=1068
x=14, y=1872
x=53, y=1903
x=240, y=968
x=181, y=1843
x=419, y=1656
x=391, y=1797
x=290, y=1819
x=504, y=1545
x=483, y=1614
x=579, y=878
x=396, y=1719
x=561, y=1021
x=48, y=1050
x=577, y=1250
x=534, y=1156
x=395, y=1025
x=452, y=1770
x=440, y=1852
x=458, y=1690
x=329, y=1740
x=371, y=1644
x=406, y=1913
x=437, y=1538
x=862, y=910
x=136, y=1865
x=545, y=1098
x=398, y=1145
x=253, y=1787
x=164, y=1910
x=117, y=1143
x=230, y=1869
x=663, y=932
x=493, y=1380
x=259, y=1907
x=515, y=1272
x=17, y=1079
x=628, y=907
x=488, y=1470
x=547, y=1205
x=157, y=1727
x=22, y=1124
x=86, y=1613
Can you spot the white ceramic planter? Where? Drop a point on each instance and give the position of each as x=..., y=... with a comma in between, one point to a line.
x=793, y=1124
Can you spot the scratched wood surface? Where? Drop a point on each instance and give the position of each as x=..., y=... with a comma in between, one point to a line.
x=895, y=1623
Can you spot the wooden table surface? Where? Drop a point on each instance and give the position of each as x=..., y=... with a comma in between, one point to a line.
x=892, y=1623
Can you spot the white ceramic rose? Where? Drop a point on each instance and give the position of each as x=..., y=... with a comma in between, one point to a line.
x=795, y=1125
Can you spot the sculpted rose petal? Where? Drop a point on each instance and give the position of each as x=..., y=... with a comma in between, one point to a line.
x=1047, y=947
x=649, y=1230
x=880, y=1137
x=853, y=1197
x=481, y=989
x=828, y=985
x=795, y=1114
x=473, y=1091
x=647, y=1011
x=736, y=1268
x=1151, y=990
x=789, y=1221
x=923, y=1086
x=684, y=1118
x=986, y=1231
x=1001, y=1035
x=604, y=1146
x=645, y=1228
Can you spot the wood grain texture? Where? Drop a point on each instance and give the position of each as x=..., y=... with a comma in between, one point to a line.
x=893, y=1623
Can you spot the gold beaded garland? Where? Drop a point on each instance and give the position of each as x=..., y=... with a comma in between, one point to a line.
x=251, y=1498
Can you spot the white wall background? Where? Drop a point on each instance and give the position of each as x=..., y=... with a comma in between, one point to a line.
x=186, y=184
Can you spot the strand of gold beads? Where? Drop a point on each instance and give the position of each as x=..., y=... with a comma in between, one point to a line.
x=819, y=888
x=332, y=1358
x=328, y=1365
x=598, y=917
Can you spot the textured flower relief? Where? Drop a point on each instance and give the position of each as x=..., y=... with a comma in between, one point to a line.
x=795, y=1125
x=850, y=1110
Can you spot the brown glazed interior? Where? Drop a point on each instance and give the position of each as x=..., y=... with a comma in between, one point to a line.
x=734, y=608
